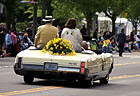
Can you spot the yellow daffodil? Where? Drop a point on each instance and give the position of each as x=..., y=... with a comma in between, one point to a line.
x=54, y=44
x=60, y=39
x=57, y=40
x=43, y=50
x=71, y=54
x=48, y=44
x=67, y=47
x=51, y=53
x=61, y=43
x=69, y=42
x=55, y=47
x=57, y=53
x=68, y=54
x=61, y=47
x=61, y=54
x=51, y=48
x=73, y=50
x=65, y=41
x=54, y=53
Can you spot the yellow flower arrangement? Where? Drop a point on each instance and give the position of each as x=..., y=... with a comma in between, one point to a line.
x=57, y=46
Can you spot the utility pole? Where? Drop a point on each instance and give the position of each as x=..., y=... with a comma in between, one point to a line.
x=34, y=20
x=43, y=10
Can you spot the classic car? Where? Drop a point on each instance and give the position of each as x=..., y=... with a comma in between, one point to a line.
x=86, y=67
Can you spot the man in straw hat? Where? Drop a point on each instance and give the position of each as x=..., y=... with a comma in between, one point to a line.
x=45, y=33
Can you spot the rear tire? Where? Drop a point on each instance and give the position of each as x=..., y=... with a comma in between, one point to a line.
x=28, y=79
x=105, y=79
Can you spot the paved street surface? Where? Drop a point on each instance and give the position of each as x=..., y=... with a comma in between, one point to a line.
x=124, y=81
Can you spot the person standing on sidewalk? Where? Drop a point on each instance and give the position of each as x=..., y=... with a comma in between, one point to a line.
x=8, y=42
x=121, y=40
x=2, y=38
x=14, y=44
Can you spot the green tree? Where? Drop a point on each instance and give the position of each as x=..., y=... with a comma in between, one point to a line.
x=114, y=9
x=10, y=5
x=87, y=8
x=62, y=12
x=133, y=13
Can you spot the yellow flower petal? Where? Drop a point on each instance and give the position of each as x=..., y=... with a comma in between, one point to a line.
x=51, y=53
x=61, y=47
x=51, y=48
x=61, y=43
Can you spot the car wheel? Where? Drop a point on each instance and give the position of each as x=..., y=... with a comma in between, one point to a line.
x=105, y=79
x=28, y=79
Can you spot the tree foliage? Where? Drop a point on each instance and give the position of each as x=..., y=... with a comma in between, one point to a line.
x=62, y=10
x=133, y=13
x=79, y=8
x=114, y=9
x=10, y=8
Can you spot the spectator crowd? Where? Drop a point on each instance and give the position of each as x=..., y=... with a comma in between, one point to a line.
x=119, y=42
x=11, y=42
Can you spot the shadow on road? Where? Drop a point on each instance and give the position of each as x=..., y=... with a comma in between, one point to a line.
x=96, y=85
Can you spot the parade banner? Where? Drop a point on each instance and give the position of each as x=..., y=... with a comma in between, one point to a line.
x=27, y=1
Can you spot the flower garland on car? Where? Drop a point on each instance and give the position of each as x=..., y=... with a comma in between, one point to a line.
x=57, y=46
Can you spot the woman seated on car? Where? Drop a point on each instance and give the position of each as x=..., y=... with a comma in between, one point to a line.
x=72, y=34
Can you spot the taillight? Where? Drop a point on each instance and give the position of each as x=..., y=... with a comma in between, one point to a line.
x=19, y=62
x=82, y=67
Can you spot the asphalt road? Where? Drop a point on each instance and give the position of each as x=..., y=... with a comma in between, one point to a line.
x=124, y=81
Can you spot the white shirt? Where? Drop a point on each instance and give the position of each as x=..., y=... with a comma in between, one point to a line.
x=74, y=36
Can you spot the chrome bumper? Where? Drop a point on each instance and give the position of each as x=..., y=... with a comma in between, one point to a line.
x=41, y=68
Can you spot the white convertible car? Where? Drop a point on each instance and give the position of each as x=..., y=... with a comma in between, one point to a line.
x=86, y=67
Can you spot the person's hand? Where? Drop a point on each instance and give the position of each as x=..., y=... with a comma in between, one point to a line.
x=82, y=48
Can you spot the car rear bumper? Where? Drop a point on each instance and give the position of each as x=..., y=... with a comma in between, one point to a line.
x=39, y=72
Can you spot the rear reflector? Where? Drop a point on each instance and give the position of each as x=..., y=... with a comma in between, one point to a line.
x=82, y=67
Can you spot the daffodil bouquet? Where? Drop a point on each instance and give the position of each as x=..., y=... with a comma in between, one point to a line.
x=57, y=46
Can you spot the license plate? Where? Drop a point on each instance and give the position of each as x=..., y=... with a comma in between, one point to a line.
x=51, y=66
